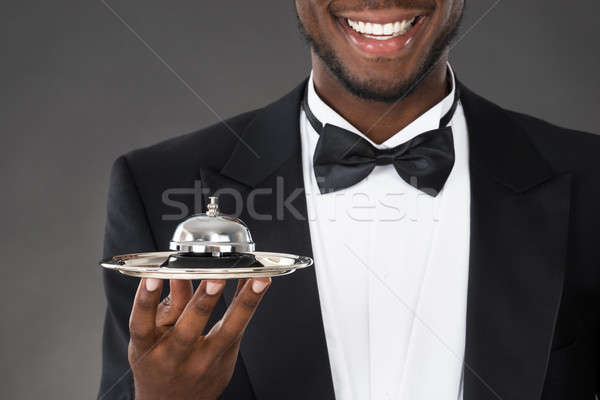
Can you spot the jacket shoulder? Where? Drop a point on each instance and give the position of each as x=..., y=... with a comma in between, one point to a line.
x=566, y=150
x=207, y=147
x=169, y=171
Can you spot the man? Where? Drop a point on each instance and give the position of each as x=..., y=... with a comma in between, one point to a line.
x=454, y=241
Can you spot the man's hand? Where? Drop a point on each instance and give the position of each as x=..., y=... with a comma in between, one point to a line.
x=169, y=356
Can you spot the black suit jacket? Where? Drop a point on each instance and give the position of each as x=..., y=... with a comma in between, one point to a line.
x=534, y=274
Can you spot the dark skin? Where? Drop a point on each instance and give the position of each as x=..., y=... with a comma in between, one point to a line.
x=379, y=121
x=383, y=74
x=169, y=356
x=379, y=94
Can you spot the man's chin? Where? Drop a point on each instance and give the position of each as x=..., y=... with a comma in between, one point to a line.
x=376, y=89
x=386, y=86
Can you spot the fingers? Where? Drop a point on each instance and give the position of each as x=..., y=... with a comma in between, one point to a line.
x=181, y=291
x=230, y=329
x=197, y=308
x=142, y=325
x=240, y=285
x=191, y=323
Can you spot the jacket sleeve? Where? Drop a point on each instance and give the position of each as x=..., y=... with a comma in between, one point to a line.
x=127, y=231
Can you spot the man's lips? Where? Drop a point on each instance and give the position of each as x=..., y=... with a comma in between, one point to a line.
x=379, y=32
x=382, y=16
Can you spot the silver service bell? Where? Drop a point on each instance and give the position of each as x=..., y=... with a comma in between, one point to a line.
x=211, y=233
x=208, y=246
x=211, y=240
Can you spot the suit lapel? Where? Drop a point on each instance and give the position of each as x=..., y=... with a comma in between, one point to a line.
x=284, y=348
x=519, y=222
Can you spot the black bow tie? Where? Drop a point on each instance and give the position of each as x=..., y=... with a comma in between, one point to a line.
x=343, y=159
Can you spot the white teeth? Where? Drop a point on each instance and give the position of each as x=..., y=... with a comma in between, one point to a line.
x=382, y=32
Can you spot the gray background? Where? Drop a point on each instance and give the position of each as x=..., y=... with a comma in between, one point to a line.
x=78, y=89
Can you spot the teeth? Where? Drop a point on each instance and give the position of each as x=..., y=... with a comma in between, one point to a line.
x=382, y=32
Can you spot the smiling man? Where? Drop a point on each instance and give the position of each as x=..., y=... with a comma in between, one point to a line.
x=454, y=241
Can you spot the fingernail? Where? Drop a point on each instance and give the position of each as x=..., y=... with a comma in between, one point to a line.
x=259, y=286
x=152, y=284
x=213, y=288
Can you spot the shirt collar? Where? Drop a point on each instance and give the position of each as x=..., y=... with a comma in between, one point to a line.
x=425, y=122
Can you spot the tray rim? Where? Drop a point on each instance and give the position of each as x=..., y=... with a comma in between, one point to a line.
x=206, y=273
x=197, y=276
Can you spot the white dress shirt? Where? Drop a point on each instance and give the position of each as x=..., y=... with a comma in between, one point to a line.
x=392, y=267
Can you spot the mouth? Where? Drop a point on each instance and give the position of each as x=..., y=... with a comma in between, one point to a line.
x=378, y=33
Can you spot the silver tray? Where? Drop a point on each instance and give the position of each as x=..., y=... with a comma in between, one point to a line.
x=148, y=265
